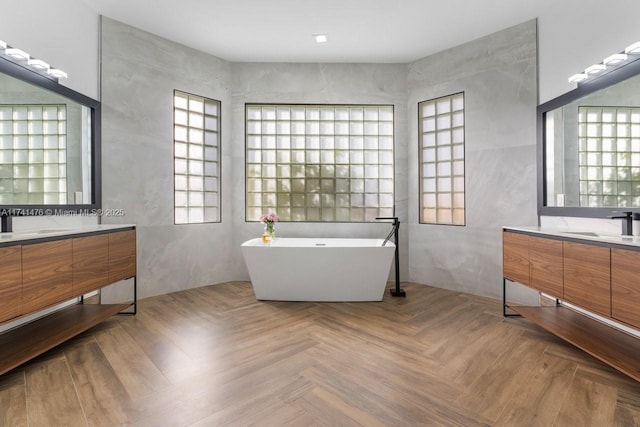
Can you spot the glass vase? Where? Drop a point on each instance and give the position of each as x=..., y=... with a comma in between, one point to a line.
x=269, y=233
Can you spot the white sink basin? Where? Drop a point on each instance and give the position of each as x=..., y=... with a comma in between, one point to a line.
x=53, y=230
x=597, y=235
x=584, y=233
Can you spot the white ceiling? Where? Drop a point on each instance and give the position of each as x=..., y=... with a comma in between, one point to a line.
x=391, y=31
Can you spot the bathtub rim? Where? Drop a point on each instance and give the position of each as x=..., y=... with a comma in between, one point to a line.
x=318, y=242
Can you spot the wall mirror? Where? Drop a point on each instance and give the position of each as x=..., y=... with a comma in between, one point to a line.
x=589, y=147
x=49, y=145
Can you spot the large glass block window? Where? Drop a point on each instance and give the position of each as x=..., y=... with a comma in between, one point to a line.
x=196, y=146
x=609, y=156
x=319, y=162
x=33, y=154
x=441, y=158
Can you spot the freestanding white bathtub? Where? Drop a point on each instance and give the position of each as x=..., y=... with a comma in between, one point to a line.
x=294, y=269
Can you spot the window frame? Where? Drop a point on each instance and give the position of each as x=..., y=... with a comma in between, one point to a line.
x=218, y=162
x=421, y=177
x=318, y=105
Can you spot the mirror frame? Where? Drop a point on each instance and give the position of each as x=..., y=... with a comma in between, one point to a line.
x=28, y=75
x=610, y=77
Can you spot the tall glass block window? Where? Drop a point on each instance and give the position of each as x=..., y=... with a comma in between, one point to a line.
x=196, y=145
x=441, y=159
x=319, y=162
x=609, y=156
x=33, y=154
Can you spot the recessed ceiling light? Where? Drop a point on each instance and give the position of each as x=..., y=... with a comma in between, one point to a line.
x=3, y=45
x=320, y=38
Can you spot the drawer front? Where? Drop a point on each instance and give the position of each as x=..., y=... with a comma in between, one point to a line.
x=122, y=255
x=90, y=263
x=515, y=257
x=46, y=274
x=10, y=282
x=587, y=277
x=547, y=266
x=625, y=286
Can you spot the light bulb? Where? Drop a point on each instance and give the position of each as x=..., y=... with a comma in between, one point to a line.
x=577, y=78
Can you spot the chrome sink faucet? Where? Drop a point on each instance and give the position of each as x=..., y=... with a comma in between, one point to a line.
x=627, y=221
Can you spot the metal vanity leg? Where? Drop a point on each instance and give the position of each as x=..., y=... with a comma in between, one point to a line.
x=504, y=301
x=135, y=295
x=135, y=298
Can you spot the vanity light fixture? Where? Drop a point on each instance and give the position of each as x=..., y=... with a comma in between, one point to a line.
x=614, y=59
x=55, y=72
x=320, y=38
x=38, y=64
x=633, y=49
x=17, y=53
x=595, y=69
x=577, y=78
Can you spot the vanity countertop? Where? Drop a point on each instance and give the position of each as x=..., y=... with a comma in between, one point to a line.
x=592, y=236
x=47, y=233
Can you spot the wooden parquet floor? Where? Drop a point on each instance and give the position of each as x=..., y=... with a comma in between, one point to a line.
x=215, y=356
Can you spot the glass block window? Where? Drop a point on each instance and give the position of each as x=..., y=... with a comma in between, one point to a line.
x=196, y=147
x=319, y=162
x=609, y=156
x=441, y=159
x=33, y=154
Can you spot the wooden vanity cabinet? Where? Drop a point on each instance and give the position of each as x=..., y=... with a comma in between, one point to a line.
x=587, y=276
x=546, y=259
x=39, y=272
x=46, y=274
x=601, y=277
x=515, y=257
x=625, y=286
x=10, y=282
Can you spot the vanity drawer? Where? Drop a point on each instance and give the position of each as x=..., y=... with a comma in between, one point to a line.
x=587, y=276
x=122, y=255
x=625, y=286
x=515, y=257
x=10, y=282
x=46, y=274
x=90, y=263
x=547, y=266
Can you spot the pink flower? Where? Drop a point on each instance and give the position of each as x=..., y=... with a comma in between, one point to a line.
x=270, y=218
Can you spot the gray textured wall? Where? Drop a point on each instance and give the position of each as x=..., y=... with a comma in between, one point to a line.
x=498, y=76
x=497, y=73
x=139, y=74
